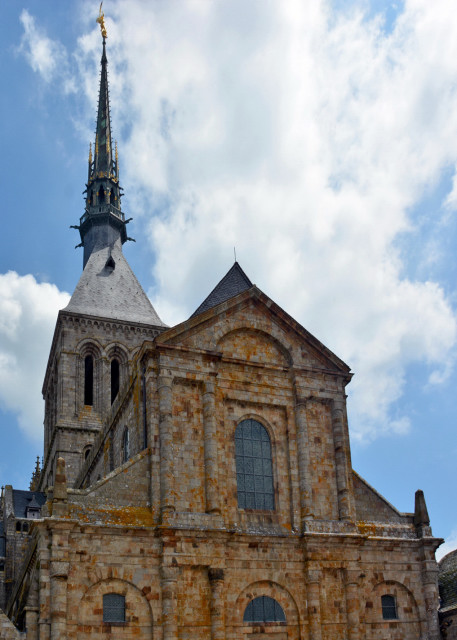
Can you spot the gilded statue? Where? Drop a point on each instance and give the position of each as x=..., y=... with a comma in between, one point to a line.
x=101, y=21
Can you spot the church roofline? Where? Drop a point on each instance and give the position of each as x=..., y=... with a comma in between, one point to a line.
x=255, y=293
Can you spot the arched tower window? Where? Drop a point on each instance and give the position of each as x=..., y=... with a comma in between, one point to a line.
x=264, y=609
x=254, y=468
x=101, y=195
x=112, y=197
x=125, y=445
x=113, y=607
x=114, y=379
x=389, y=607
x=89, y=380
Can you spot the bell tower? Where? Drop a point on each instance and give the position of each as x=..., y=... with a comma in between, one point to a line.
x=107, y=319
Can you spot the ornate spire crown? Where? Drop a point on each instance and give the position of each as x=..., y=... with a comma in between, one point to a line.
x=103, y=193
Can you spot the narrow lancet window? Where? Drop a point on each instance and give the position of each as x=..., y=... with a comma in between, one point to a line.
x=89, y=380
x=125, y=446
x=114, y=379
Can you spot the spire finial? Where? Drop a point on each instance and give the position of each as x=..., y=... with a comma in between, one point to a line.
x=101, y=22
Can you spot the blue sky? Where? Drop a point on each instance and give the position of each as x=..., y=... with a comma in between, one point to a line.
x=320, y=139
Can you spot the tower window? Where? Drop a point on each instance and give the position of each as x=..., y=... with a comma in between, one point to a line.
x=101, y=195
x=113, y=607
x=254, y=468
x=112, y=197
x=264, y=609
x=389, y=607
x=125, y=446
x=114, y=379
x=89, y=380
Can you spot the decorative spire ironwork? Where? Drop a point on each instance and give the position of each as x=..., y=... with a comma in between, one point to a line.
x=103, y=193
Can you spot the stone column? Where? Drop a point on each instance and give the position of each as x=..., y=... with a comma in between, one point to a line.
x=59, y=576
x=31, y=622
x=352, y=605
x=429, y=580
x=216, y=581
x=210, y=445
x=304, y=473
x=341, y=460
x=166, y=445
x=169, y=578
x=314, y=604
x=44, y=627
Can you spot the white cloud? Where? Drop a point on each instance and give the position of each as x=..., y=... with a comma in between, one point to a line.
x=306, y=138
x=27, y=318
x=450, y=544
x=47, y=57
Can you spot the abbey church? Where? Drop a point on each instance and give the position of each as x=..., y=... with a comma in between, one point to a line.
x=196, y=480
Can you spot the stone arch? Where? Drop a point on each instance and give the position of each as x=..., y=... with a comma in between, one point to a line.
x=275, y=591
x=138, y=614
x=256, y=344
x=406, y=627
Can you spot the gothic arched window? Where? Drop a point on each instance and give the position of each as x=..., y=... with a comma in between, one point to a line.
x=89, y=380
x=264, y=609
x=254, y=468
x=125, y=445
x=114, y=379
x=113, y=607
x=389, y=607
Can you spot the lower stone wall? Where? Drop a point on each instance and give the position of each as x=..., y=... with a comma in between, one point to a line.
x=196, y=585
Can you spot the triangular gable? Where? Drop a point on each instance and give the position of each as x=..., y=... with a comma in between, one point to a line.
x=221, y=319
x=233, y=283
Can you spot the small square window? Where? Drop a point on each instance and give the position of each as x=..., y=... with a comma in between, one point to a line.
x=113, y=607
x=389, y=608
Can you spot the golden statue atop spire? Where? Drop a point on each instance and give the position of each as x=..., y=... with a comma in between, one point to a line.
x=101, y=21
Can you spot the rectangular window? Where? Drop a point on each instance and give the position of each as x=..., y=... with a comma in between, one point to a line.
x=389, y=608
x=113, y=607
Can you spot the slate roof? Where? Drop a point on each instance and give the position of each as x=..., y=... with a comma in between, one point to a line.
x=109, y=289
x=447, y=580
x=23, y=499
x=234, y=282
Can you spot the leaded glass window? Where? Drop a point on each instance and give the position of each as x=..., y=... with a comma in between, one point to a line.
x=389, y=607
x=254, y=468
x=113, y=607
x=264, y=609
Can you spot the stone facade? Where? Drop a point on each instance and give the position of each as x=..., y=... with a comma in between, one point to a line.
x=163, y=528
x=198, y=479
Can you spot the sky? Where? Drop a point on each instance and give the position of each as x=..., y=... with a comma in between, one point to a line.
x=318, y=140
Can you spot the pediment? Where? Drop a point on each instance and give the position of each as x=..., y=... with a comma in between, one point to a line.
x=252, y=328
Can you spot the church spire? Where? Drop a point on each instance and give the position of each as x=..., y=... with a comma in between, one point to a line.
x=103, y=222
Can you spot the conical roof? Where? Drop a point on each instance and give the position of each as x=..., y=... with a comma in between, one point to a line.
x=234, y=282
x=109, y=289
